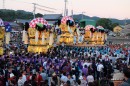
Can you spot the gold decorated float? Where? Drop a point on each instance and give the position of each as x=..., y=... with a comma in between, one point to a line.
x=96, y=36
x=40, y=37
x=67, y=27
x=2, y=33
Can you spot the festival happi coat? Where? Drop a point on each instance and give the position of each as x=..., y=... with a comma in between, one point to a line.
x=67, y=27
x=40, y=37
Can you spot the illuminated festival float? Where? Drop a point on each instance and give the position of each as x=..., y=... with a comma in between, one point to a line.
x=67, y=27
x=95, y=36
x=40, y=37
x=102, y=35
x=5, y=29
x=2, y=33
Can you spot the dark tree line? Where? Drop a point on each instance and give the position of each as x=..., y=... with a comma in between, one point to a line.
x=11, y=15
x=106, y=23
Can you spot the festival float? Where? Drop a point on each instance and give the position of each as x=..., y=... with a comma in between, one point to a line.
x=67, y=27
x=40, y=37
x=95, y=36
x=101, y=35
x=90, y=34
x=2, y=33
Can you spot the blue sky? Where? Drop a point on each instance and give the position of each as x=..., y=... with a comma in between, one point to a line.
x=102, y=8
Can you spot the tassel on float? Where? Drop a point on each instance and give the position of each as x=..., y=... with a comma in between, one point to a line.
x=36, y=36
x=43, y=38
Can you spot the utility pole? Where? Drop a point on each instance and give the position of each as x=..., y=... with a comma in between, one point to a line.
x=3, y=4
x=72, y=13
x=82, y=14
x=65, y=13
x=34, y=9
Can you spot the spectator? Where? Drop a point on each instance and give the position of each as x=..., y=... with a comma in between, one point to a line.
x=126, y=72
x=90, y=77
x=20, y=80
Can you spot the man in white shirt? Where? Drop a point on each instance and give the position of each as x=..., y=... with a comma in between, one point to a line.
x=20, y=81
x=24, y=76
x=100, y=67
x=90, y=77
x=64, y=78
x=100, y=70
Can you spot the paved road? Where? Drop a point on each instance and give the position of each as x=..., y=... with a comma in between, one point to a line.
x=119, y=40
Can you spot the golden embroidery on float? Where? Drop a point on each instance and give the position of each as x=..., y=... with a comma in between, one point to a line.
x=96, y=38
x=2, y=33
x=38, y=46
x=66, y=36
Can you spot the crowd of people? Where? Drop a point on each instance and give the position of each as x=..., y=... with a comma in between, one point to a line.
x=66, y=66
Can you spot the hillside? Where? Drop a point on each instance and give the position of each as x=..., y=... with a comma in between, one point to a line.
x=11, y=15
x=78, y=17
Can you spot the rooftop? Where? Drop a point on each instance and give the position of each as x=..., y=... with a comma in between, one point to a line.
x=22, y=21
x=52, y=16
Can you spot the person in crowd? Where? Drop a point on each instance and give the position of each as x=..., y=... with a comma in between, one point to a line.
x=44, y=75
x=90, y=77
x=83, y=80
x=38, y=78
x=24, y=78
x=100, y=70
x=126, y=72
x=71, y=80
x=64, y=78
x=85, y=70
x=20, y=80
x=77, y=60
x=54, y=80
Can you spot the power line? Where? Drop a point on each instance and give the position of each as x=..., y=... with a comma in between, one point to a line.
x=46, y=7
x=45, y=10
x=36, y=4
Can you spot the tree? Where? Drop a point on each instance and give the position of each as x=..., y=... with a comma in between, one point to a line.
x=12, y=15
x=39, y=15
x=7, y=15
x=106, y=23
x=115, y=24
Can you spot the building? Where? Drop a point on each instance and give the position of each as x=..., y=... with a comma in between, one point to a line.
x=22, y=21
x=117, y=29
x=15, y=26
x=52, y=18
x=125, y=31
x=127, y=26
x=85, y=22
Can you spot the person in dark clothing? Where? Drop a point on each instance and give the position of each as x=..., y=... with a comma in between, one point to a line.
x=126, y=72
x=32, y=82
x=94, y=68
